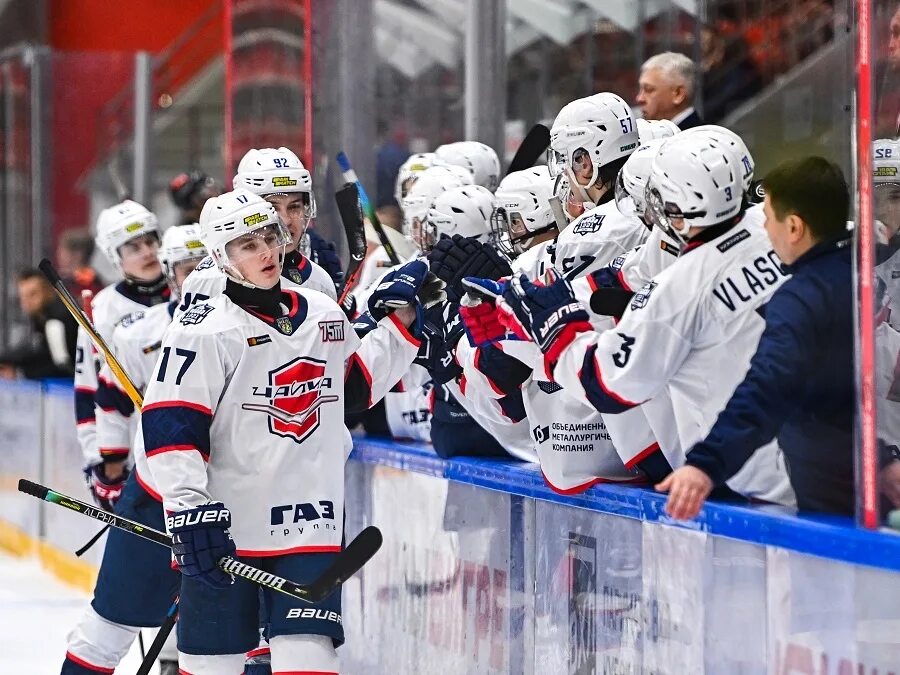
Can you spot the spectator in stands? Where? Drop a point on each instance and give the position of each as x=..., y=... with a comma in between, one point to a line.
x=73, y=262
x=388, y=160
x=190, y=191
x=666, y=89
x=800, y=384
x=729, y=76
x=50, y=352
x=894, y=41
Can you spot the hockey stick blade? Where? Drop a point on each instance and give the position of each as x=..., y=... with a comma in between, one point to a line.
x=347, y=199
x=535, y=144
x=351, y=177
x=357, y=554
x=337, y=570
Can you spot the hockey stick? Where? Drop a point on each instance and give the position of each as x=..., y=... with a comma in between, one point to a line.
x=345, y=564
x=347, y=199
x=350, y=177
x=161, y=636
x=47, y=268
x=535, y=144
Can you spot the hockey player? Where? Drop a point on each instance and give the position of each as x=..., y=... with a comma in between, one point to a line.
x=886, y=178
x=128, y=234
x=690, y=332
x=241, y=414
x=136, y=583
x=190, y=191
x=590, y=140
x=477, y=158
x=278, y=176
x=569, y=437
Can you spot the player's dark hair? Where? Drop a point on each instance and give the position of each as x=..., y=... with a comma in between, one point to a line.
x=29, y=273
x=79, y=241
x=814, y=189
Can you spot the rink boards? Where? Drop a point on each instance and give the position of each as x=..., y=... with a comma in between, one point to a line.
x=484, y=570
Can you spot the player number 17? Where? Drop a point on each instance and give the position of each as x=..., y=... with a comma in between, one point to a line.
x=188, y=356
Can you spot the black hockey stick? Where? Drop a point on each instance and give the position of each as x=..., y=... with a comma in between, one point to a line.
x=535, y=144
x=345, y=564
x=347, y=199
x=351, y=177
x=160, y=639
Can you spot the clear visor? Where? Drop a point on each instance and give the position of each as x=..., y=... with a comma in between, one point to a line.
x=139, y=246
x=887, y=205
x=269, y=240
x=556, y=162
x=666, y=217
x=626, y=204
x=425, y=230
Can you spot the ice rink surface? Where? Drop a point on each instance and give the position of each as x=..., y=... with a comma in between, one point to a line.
x=36, y=613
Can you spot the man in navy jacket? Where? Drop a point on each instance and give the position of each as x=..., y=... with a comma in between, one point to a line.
x=800, y=384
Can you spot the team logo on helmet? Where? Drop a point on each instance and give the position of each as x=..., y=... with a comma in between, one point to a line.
x=293, y=398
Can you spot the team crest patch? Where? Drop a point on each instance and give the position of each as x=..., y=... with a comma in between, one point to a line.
x=196, y=314
x=206, y=263
x=617, y=262
x=589, y=224
x=292, y=398
x=295, y=275
x=639, y=301
x=284, y=324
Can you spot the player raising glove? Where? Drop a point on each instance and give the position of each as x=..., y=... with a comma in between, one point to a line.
x=410, y=284
x=454, y=258
x=548, y=313
x=200, y=539
x=479, y=312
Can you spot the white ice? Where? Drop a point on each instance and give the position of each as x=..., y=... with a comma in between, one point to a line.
x=36, y=613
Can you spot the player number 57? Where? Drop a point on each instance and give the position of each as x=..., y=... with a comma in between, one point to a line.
x=186, y=354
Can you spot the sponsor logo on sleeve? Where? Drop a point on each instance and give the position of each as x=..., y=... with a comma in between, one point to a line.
x=332, y=331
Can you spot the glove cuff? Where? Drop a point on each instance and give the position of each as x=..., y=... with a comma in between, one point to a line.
x=566, y=336
x=208, y=515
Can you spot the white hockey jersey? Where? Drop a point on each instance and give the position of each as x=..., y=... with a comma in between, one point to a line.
x=109, y=307
x=136, y=342
x=689, y=334
x=249, y=411
x=207, y=281
x=595, y=239
x=570, y=437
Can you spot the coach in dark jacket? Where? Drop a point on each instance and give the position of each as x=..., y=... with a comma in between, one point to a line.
x=800, y=384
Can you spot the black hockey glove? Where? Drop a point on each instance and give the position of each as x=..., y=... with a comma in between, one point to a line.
x=452, y=259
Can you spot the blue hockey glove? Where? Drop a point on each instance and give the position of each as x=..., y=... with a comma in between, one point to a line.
x=106, y=492
x=200, y=538
x=543, y=311
x=397, y=289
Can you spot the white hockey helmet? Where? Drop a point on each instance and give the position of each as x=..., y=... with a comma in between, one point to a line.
x=464, y=211
x=522, y=209
x=409, y=170
x=695, y=181
x=235, y=214
x=429, y=184
x=274, y=171
x=479, y=159
x=632, y=180
x=737, y=145
x=122, y=223
x=650, y=130
x=180, y=243
x=599, y=128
